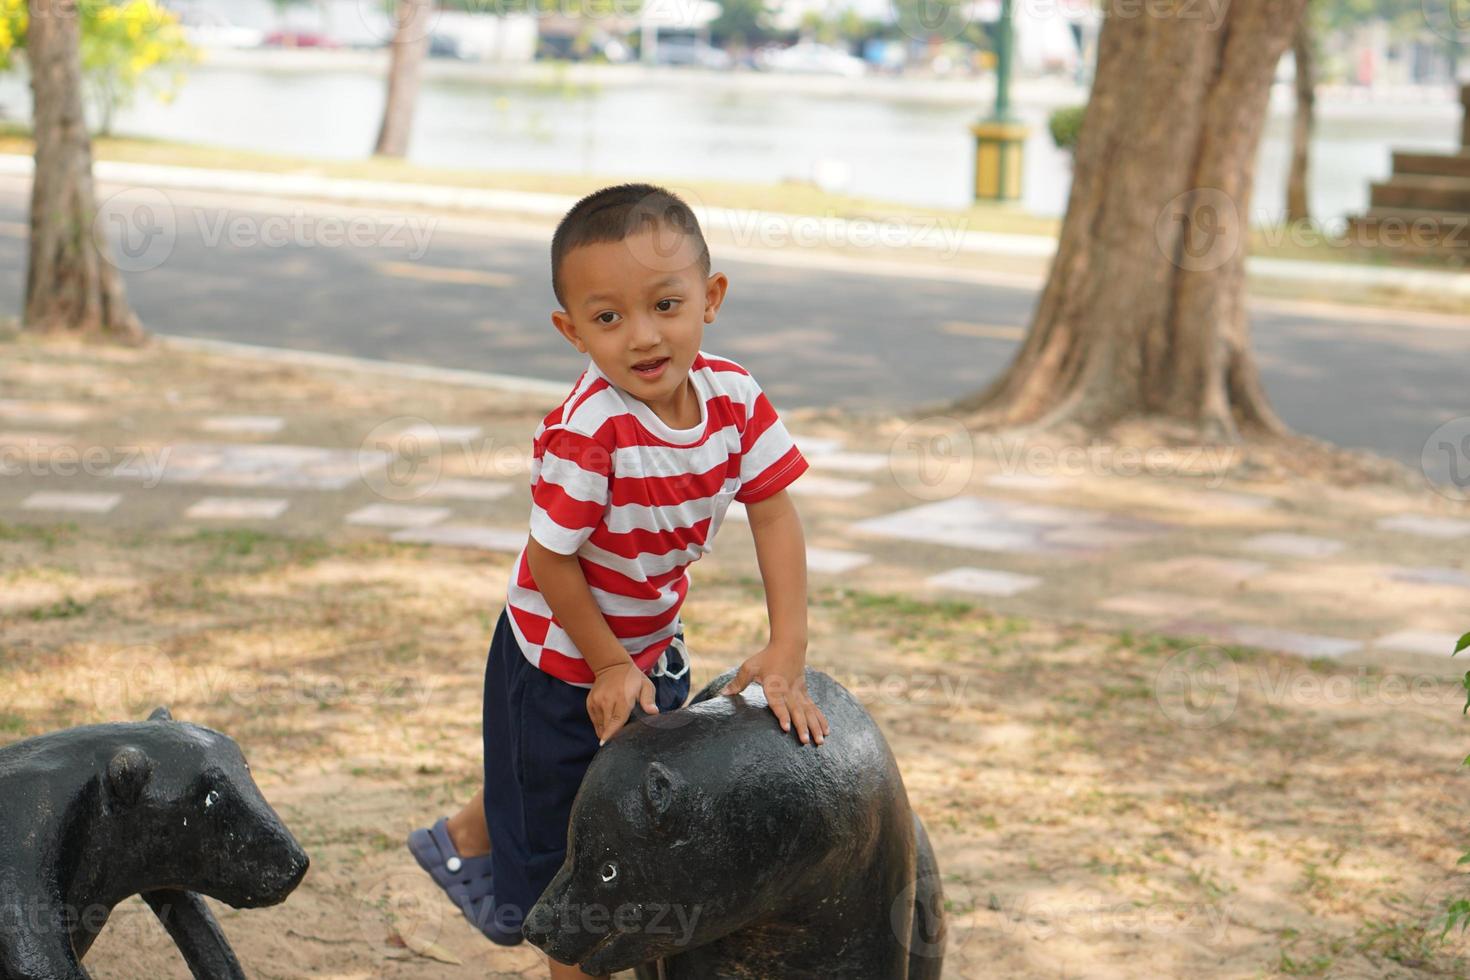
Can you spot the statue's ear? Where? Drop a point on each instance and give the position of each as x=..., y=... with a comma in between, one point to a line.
x=161, y=713
x=127, y=774
x=658, y=791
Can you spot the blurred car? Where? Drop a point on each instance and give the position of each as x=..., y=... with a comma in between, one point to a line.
x=207, y=28
x=691, y=52
x=445, y=46
x=299, y=39
x=811, y=58
x=599, y=46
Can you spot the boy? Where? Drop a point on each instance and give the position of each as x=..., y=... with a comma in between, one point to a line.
x=631, y=478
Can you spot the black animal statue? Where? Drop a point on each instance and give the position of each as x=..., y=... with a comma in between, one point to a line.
x=706, y=843
x=165, y=809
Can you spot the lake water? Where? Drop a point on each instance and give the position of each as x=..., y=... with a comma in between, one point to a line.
x=903, y=150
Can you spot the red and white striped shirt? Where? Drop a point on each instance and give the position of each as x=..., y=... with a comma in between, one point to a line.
x=637, y=501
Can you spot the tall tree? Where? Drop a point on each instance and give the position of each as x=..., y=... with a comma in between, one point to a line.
x=1143, y=311
x=71, y=283
x=1304, y=56
x=410, y=42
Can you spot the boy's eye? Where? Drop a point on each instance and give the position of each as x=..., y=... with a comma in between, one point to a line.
x=664, y=309
x=602, y=317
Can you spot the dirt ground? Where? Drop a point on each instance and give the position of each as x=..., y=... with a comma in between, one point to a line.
x=1102, y=805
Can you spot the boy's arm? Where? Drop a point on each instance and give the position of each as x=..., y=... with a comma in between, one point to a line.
x=619, y=681
x=780, y=550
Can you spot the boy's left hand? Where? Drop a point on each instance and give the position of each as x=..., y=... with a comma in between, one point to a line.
x=782, y=674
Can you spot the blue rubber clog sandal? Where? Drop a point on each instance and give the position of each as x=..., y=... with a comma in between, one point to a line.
x=468, y=882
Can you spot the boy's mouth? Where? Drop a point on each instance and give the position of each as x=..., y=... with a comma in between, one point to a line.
x=651, y=368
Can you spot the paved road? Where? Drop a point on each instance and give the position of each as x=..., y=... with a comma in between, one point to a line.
x=814, y=337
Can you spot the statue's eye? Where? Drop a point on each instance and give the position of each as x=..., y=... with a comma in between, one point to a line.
x=609, y=871
x=211, y=798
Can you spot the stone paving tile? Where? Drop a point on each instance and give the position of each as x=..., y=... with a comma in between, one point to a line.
x=272, y=465
x=1091, y=536
x=1431, y=575
x=33, y=441
x=255, y=425
x=466, y=536
x=397, y=515
x=75, y=502
x=1157, y=605
x=1420, y=641
x=44, y=413
x=834, y=561
x=990, y=524
x=1050, y=515
x=846, y=462
x=983, y=581
x=238, y=508
x=1426, y=527
x=951, y=522
x=1301, y=644
x=812, y=485
x=444, y=434
x=1231, y=571
x=1023, y=481
x=454, y=488
x=1234, y=500
x=1293, y=545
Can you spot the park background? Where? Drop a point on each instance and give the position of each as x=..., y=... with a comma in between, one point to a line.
x=1161, y=642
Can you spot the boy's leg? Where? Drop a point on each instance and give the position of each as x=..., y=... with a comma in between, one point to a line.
x=557, y=743
x=467, y=828
x=501, y=809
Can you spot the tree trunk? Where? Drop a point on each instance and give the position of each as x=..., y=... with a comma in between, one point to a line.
x=1297, y=208
x=410, y=42
x=71, y=283
x=1143, y=311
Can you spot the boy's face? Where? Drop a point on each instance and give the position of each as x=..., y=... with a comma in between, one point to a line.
x=638, y=308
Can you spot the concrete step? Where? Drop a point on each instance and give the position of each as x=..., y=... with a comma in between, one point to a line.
x=1412, y=231
x=1423, y=192
x=1433, y=164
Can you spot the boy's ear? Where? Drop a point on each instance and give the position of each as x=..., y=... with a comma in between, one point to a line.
x=714, y=294
x=567, y=329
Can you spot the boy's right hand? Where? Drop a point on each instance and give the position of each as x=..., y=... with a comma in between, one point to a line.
x=614, y=692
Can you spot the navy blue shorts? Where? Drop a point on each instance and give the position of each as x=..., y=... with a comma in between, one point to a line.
x=539, y=742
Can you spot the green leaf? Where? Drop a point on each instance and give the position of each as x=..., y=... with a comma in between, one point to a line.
x=1457, y=913
x=1464, y=642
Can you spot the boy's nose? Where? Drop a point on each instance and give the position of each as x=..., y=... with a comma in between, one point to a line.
x=644, y=336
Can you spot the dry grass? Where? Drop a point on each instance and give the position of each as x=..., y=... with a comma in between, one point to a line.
x=1088, y=821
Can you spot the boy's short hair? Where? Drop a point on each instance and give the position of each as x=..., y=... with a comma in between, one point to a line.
x=615, y=213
